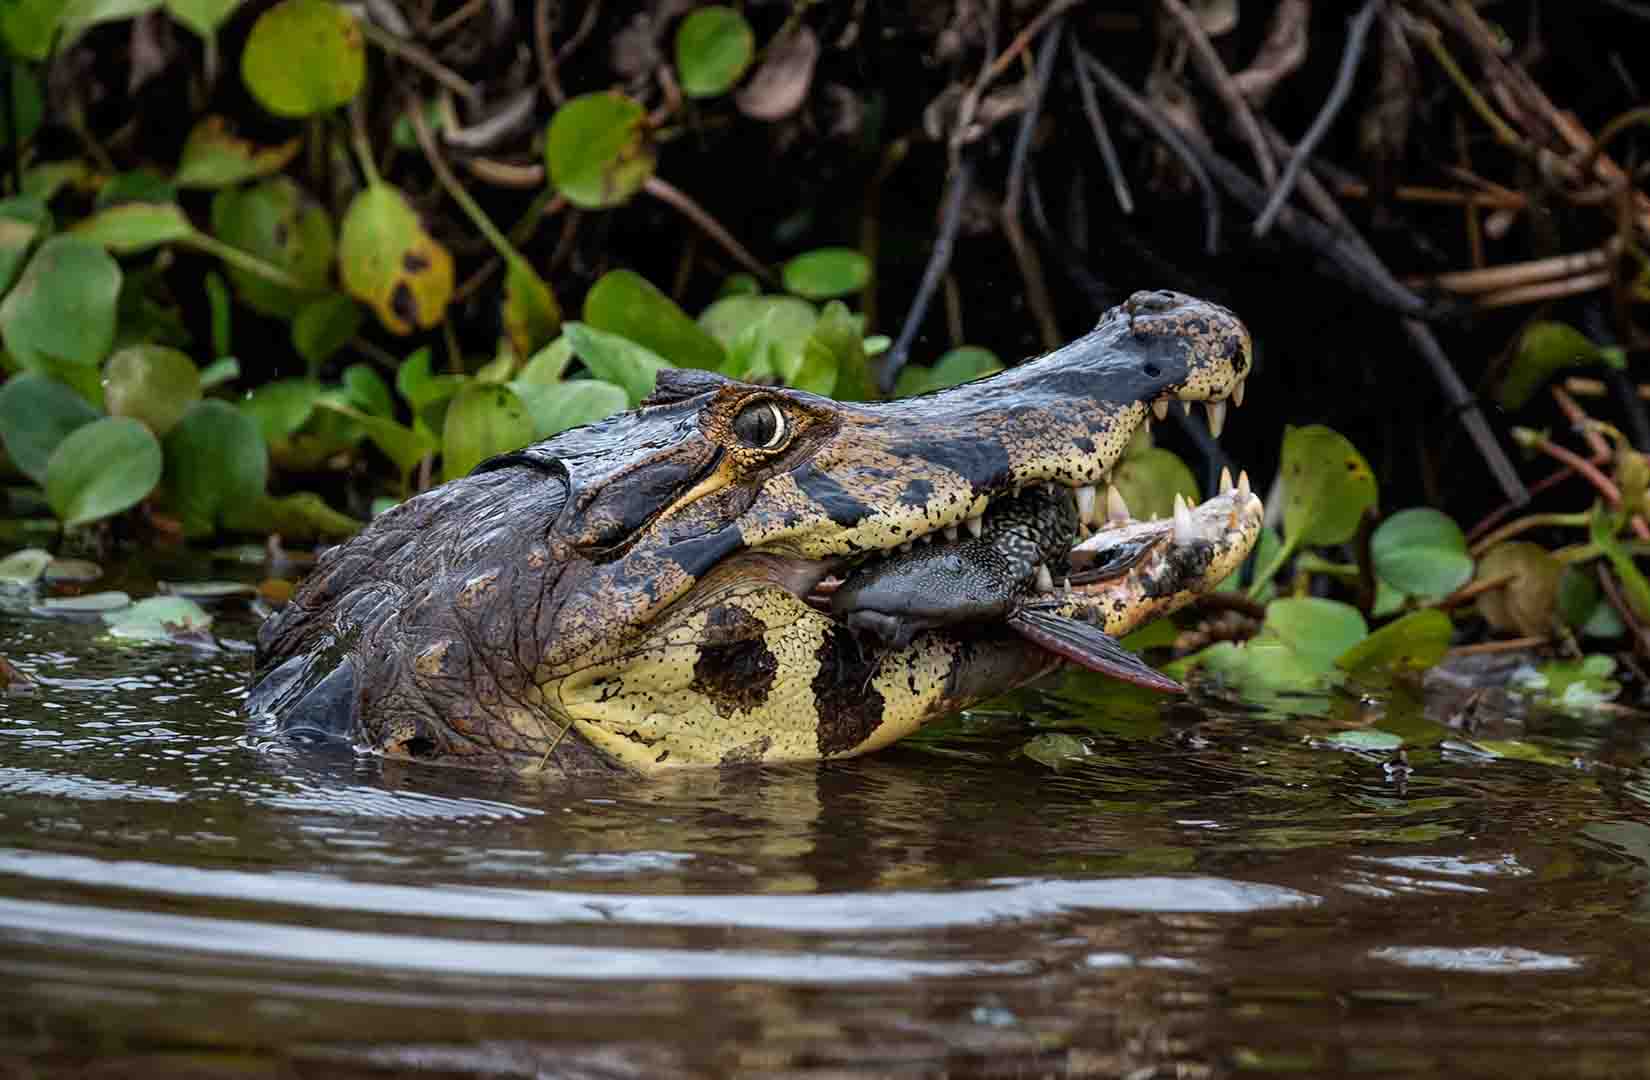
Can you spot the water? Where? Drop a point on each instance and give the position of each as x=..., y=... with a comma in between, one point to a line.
x=1199, y=896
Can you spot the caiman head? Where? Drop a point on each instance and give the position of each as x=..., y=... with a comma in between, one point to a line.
x=746, y=573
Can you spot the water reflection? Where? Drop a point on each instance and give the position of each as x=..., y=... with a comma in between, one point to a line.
x=1200, y=895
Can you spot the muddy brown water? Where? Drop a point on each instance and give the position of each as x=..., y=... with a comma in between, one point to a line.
x=1203, y=894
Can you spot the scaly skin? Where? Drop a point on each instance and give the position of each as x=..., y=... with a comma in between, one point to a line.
x=640, y=593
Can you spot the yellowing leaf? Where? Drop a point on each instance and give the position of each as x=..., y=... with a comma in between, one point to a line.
x=391, y=264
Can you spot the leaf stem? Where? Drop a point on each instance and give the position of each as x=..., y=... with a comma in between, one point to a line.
x=241, y=260
x=455, y=190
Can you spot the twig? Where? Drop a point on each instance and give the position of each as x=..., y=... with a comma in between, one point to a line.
x=1471, y=592
x=1582, y=423
x=683, y=203
x=1171, y=137
x=418, y=57
x=1472, y=417
x=453, y=21
x=586, y=24
x=1508, y=275
x=1102, y=137
x=1215, y=74
x=1546, y=290
x=548, y=77
x=455, y=191
x=1031, y=270
x=970, y=103
x=938, y=261
x=1518, y=644
x=1356, y=37
x=1624, y=611
x=1417, y=193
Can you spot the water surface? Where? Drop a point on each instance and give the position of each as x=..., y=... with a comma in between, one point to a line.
x=1201, y=895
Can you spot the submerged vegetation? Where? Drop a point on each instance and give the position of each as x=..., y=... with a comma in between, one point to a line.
x=268, y=267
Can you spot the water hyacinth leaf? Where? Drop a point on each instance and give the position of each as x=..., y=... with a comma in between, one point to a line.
x=73, y=571
x=962, y=364
x=207, y=592
x=827, y=272
x=1262, y=669
x=620, y=361
x=625, y=303
x=764, y=336
x=135, y=186
x=216, y=460
x=151, y=383
x=302, y=517
x=390, y=263
x=304, y=57
x=215, y=157
x=367, y=390
x=569, y=404
x=1414, y=642
x=281, y=407
x=88, y=606
x=24, y=219
x=323, y=326
x=25, y=567
x=1149, y=479
x=1582, y=606
x=531, y=315
x=1543, y=349
x=1421, y=552
x=36, y=414
x=277, y=223
x=404, y=446
x=158, y=618
x=202, y=16
x=545, y=367
x=1528, y=603
x=27, y=105
x=1327, y=486
x=739, y=284
x=597, y=150
x=1367, y=740
x=1603, y=527
x=133, y=227
x=1056, y=749
x=714, y=46
x=28, y=26
x=838, y=337
x=1315, y=629
x=63, y=308
x=101, y=469
x=482, y=421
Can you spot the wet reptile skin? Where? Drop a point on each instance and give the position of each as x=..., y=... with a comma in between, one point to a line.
x=634, y=594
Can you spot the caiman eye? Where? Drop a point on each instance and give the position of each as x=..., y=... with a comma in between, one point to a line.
x=761, y=425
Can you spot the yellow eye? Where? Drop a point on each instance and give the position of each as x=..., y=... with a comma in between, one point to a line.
x=760, y=425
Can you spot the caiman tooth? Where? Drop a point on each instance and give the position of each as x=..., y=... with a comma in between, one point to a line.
x=1185, y=407
x=1065, y=583
x=1160, y=408
x=1085, y=504
x=1184, y=529
x=1217, y=416
x=906, y=546
x=1045, y=580
x=1243, y=482
x=926, y=538
x=1116, y=509
x=951, y=532
x=974, y=525
x=1225, y=479
x=1237, y=394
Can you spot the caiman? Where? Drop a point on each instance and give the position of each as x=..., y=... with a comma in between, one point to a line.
x=739, y=573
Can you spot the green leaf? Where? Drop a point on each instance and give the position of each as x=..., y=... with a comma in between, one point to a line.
x=1602, y=527
x=1315, y=629
x=81, y=15
x=215, y=157
x=1529, y=602
x=302, y=517
x=281, y=407
x=304, y=57
x=1421, y=552
x=216, y=460
x=63, y=308
x=36, y=414
x=1370, y=740
x=21, y=569
x=136, y=186
x=28, y=26
x=221, y=371
x=531, y=315
x=367, y=390
x=24, y=219
x=1416, y=641
x=597, y=150
x=574, y=403
x=714, y=46
x=1327, y=486
x=1543, y=348
x=101, y=469
x=625, y=303
x=1263, y=670
x=826, y=272
x=217, y=299
x=833, y=357
x=617, y=360
x=202, y=16
x=1149, y=479
x=546, y=366
x=1056, y=750
x=963, y=364
x=482, y=421
x=27, y=104
x=151, y=383
x=277, y=223
x=133, y=227
x=388, y=261
x=764, y=335
x=158, y=618
x=404, y=446
x=323, y=326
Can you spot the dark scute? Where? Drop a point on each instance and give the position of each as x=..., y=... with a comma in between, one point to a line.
x=618, y=508
x=679, y=384
x=698, y=554
x=838, y=505
x=983, y=460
